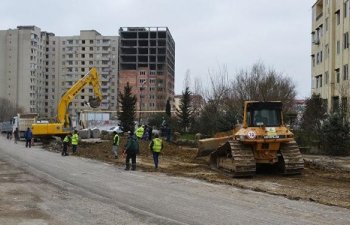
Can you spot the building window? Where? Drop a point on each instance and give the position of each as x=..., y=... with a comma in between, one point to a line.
x=345, y=72
x=318, y=81
x=338, y=47
x=326, y=77
x=346, y=40
x=91, y=41
x=326, y=24
x=335, y=104
x=346, y=8
x=142, y=72
x=337, y=15
x=337, y=72
x=326, y=51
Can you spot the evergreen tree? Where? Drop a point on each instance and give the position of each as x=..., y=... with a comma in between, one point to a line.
x=168, y=108
x=335, y=132
x=127, y=114
x=315, y=112
x=184, y=114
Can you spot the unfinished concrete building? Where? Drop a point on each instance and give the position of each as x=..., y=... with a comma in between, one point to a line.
x=147, y=63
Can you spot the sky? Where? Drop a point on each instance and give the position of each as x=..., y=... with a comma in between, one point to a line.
x=208, y=34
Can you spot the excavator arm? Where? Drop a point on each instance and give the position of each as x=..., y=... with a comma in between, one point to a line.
x=92, y=78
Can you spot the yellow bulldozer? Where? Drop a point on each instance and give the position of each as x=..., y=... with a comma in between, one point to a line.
x=263, y=138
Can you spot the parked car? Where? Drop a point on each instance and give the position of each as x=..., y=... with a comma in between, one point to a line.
x=117, y=129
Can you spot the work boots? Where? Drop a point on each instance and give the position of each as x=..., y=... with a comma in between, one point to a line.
x=133, y=166
x=127, y=167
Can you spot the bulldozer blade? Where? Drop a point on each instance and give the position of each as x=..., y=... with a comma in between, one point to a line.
x=209, y=145
x=94, y=102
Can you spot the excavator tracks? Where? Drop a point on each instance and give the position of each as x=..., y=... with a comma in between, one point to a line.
x=235, y=158
x=291, y=160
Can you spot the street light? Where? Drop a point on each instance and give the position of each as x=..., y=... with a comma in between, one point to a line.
x=141, y=89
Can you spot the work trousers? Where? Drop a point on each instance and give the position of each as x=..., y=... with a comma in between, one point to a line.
x=131, y=156
x=74, y=148
x=28, y=143
x=65, y=146
x=155, y=159
x=115, y=150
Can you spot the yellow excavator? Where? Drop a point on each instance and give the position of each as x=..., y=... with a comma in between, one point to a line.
x=63, y=126
x=263, y=138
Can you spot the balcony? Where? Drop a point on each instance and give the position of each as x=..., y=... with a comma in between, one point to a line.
x=319, y=16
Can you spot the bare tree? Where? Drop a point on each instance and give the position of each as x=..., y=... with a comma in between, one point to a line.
x=261, y=84
x=8, y=109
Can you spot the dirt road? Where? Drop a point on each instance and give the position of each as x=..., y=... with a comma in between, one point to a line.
x=82, y=191
x=327, y=185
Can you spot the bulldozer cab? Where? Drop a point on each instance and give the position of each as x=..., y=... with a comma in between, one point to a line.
x=262, y=114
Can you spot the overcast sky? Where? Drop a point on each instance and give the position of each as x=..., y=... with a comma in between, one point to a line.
x=208, y=33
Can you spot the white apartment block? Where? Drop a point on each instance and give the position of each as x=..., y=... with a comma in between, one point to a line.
x=331, y=51
x=22, y=67
x=40, y=67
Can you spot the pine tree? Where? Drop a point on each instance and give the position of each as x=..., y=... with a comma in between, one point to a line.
x=184, y=114
x=335, y=132
x=128, y=102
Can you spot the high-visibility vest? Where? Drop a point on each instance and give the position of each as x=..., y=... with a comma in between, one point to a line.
x=139, y=132
x=116, y=140
x=157, y=144
x=75, y=139
x=66, y=139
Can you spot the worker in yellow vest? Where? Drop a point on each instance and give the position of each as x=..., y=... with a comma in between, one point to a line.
x=156, y=146
x=66, y=141
x=115, y=145
x=75, y=140
x=139, y=132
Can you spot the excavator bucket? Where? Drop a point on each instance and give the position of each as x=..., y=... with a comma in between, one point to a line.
x=209, y=145
x=94, y=102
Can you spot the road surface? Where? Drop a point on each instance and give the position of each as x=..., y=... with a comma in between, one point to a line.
x=73, y=190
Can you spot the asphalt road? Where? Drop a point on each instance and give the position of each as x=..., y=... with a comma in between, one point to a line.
x=101, y=193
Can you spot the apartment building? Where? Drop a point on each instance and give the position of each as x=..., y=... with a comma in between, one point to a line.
x=75, y=56
x=22, y=67
x=330, y=52
x=147, y=63
x=37, y=67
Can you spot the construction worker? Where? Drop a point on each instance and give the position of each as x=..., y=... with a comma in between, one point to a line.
x=75, y=140
x=115, y=144
x=28, y=135
x=156, y=146
x=131, y=149
x=66, y=141
x=16, y=135
x=139, y=132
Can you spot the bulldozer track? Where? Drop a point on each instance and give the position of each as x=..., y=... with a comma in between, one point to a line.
x=291, y=161
x=241, y=157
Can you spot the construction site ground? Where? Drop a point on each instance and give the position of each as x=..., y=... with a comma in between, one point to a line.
x=324, y=180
